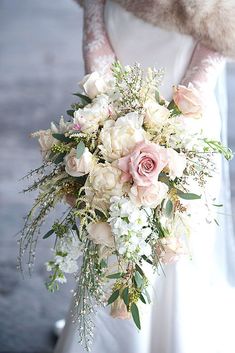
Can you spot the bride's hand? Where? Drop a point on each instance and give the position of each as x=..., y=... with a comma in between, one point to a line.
x=97, y=51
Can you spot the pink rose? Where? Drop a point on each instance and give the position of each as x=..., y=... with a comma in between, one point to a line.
x=119, y=310
x=148, y=196
x=188, y=101
x=143, y=164
x=169, y=249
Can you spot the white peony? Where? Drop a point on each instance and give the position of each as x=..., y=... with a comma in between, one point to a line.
x=150, y=196
x=92, y=115
x=100, y=233
x=103, y=183
x=79, y=167
x=120, y=137
x=176, y=163
x=156, y=115
x=93, y=84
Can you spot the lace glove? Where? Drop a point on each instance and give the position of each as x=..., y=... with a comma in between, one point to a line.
x=204, y=69
x=97, y=50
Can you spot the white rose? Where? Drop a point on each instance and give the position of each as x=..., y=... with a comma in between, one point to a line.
x=150, y=196
x=103, y=183
x=176, y=163
x=46, y=140
x=120, y=137
x=100, y=233
x=93, y=84
x=155, y=114
x=79, y=167
x=92, y=115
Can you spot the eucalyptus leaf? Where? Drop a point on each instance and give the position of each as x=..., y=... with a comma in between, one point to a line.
x=125, y=296
x=80, y=149
x=59, y=158
x=187, y=195
x=61, y=137
x=48, y=234
x=168, y=208
x=146, y=293
x=84, y=98
x=138, y=279
x=113, y=297
x=115, y=275
x=70, y=112
x=142, y=299
x=135, y=315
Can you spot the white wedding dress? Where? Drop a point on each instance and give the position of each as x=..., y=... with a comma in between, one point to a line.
x=193, y=304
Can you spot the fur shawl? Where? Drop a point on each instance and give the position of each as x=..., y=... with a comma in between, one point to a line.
x=210, y=21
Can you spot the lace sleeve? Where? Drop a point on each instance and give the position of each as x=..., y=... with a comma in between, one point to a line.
x=97, y=50
x=204, y=68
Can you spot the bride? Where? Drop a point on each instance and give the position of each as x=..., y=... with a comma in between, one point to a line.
x=192, y=304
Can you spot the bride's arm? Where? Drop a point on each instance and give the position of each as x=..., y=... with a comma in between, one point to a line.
x=204, y=68
x=97, y=50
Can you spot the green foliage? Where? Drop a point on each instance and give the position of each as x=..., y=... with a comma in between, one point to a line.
x=61, y=137
x=188, y=195
x=217, y=146
x=135, y=315
x=113, y=296
x=80, y=149
x=168, y=208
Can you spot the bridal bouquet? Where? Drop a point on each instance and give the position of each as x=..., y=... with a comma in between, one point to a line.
x=129, y=165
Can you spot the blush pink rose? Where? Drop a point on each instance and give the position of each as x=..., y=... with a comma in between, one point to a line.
x=169, y=250
x=119, y=310
x=188, y=101
x=143, y=164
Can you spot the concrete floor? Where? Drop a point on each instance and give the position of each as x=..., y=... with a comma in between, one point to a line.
x=40, y=63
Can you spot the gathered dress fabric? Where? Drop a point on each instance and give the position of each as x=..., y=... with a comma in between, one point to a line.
x=192, y=307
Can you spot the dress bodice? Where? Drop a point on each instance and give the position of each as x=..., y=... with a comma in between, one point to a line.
x=135, y=40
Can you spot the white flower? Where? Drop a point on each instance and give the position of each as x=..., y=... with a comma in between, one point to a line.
x=156, y=115
x=100, y=233
x=93, y=84
x=119, y=137
x=176, y=163
x=92, y=115
x=66, y=264
x=150, y=196
x=46, y=140
x=103, y=183
x=79, y=167
x=62, y=127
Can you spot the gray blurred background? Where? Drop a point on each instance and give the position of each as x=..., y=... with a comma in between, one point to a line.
x=40, y=65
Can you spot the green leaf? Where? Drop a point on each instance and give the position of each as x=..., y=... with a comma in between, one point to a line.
x=220, y=205
x=158, y=98
x=142, y=299
x=216, y=222
x=139, y=269
x=61, y=137
x=80, y=149
x=84, y=98
x=187, y=195
x=138, y=279
x=168, y=208
x=146, y=293
x=48, y=234
x=135, y=315
x=113, y=297
x=125, y=296
x=147, y=259
x=103, y=263
x=70, y=112
x=59, y=158
x=115, y=275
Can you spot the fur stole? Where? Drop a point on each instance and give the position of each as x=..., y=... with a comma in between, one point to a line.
x=210, y=21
